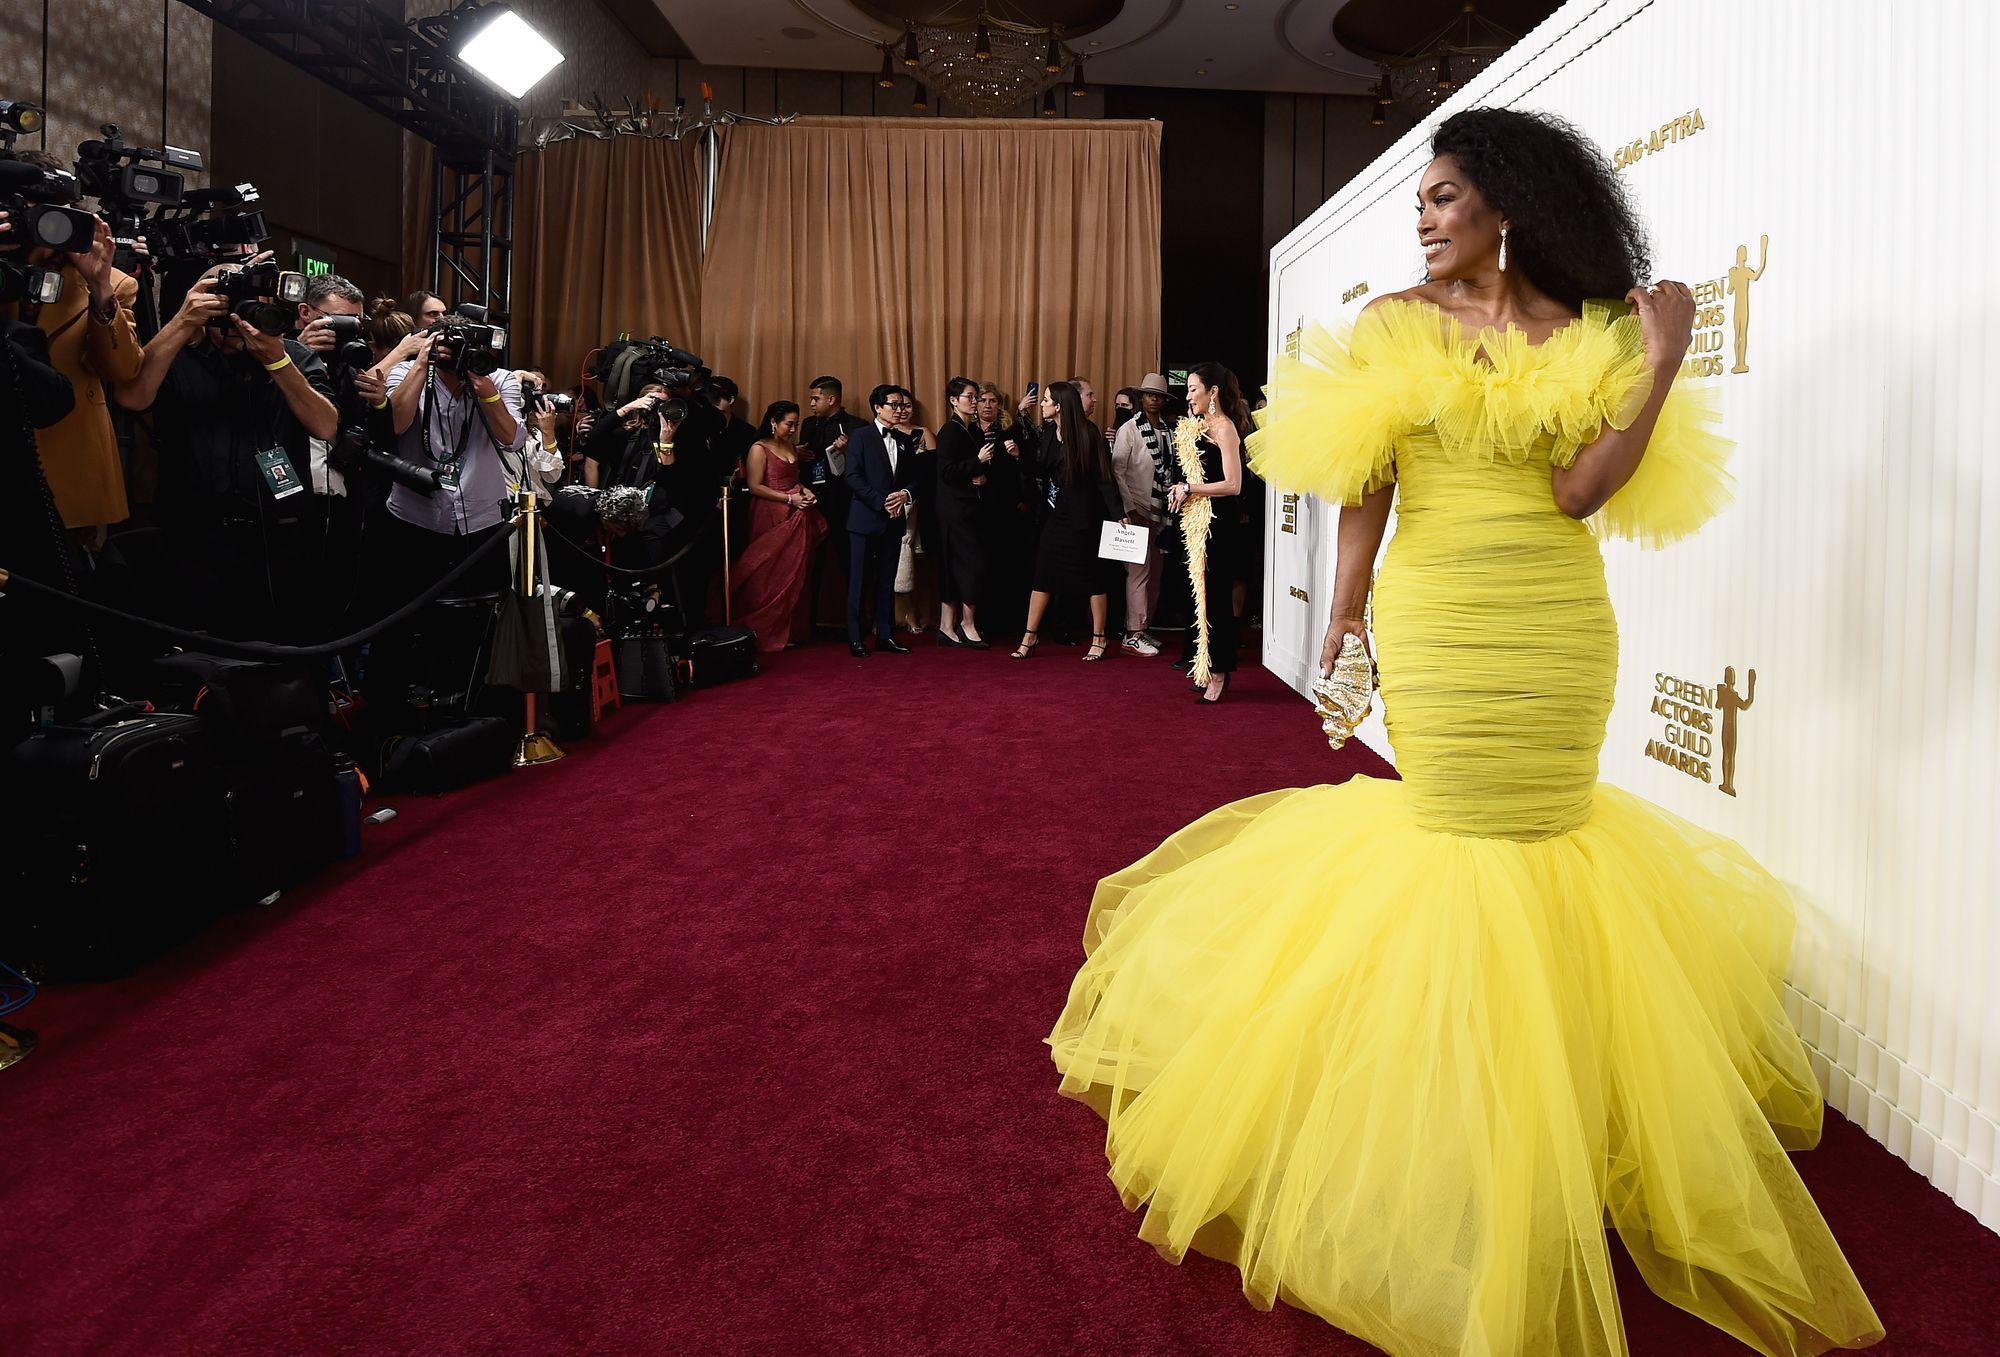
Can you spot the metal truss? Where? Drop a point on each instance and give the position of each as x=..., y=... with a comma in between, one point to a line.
x=407, y=74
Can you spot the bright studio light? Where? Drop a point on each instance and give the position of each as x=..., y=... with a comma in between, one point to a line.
x=506, y=51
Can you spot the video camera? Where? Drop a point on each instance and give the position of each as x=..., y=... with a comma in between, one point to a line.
x=126, y=190
x=630, y=364
x=37, y=203
x=206, y=220
x=467, y=344
x=246, y=286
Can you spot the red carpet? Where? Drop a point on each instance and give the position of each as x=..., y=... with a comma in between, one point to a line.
x=722, y=1036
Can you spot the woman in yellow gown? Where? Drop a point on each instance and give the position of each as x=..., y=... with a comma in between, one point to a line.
x=1402, y=1051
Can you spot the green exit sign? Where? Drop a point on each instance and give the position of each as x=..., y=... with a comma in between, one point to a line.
x=311, y=258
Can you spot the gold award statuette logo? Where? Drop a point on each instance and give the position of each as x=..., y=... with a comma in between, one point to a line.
x=1724, y=301
x=1290, y=509
x=1699, y=718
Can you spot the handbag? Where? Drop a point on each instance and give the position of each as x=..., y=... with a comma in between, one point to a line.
x=1343, y=697
x=906, y=563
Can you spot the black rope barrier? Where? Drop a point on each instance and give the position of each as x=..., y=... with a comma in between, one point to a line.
x=644, y=573
x=261, y=650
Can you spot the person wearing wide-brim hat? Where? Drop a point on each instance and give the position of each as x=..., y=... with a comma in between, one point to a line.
x=1143, y=457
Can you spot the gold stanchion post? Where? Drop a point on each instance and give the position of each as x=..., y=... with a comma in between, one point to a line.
x=536, y=747
x=726, y=618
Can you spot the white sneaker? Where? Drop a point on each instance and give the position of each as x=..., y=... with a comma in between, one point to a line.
x=1139, y=643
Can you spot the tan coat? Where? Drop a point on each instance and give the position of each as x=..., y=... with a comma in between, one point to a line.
x=1134, y=466
x=80, y=454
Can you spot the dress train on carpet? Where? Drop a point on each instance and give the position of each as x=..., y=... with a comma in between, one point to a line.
x=1405, y=1079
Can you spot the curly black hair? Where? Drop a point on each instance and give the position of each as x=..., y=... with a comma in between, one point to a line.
x=1571, y=228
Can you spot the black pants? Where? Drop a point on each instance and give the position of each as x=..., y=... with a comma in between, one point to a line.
x=880, y=552
x=405, y=561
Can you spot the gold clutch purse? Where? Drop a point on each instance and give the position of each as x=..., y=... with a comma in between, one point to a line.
x=1343, y=696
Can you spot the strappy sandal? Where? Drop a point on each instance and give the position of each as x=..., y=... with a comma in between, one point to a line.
x=1026, y=650
x=1100, y=646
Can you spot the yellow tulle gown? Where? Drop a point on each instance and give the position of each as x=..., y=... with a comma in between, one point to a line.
x=1402, y=1051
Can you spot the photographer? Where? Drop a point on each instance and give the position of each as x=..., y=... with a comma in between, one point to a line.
x=92, y=341
x=465, y=425
x=235, y=407
x=543, y=412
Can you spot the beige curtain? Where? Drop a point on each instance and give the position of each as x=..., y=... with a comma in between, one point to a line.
x=914, y=250
x=607, y=239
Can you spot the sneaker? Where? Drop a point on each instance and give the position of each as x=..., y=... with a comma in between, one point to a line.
x=1139, y=643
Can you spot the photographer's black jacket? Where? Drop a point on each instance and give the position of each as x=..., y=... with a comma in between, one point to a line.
x=216, y=412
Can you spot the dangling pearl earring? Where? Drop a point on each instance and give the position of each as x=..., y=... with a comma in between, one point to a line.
x=1503, y=247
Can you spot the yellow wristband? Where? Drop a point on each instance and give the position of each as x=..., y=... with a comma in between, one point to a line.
x=380, y=405
x=488, y=400
x=284, y=362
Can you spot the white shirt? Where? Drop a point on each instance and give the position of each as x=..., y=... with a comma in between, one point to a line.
x=890, y=440
x=485, y=479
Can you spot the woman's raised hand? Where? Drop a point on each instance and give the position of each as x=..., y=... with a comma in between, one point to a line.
x=1666, y=321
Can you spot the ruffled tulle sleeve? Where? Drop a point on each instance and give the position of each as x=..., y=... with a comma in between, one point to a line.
x=1682, y=481
x=1599, y=364
x=1336, y=411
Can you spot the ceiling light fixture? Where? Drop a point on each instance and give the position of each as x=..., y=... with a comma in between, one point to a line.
x=1049, y=102
x=987, y=62
x=887, y=78
x=921, y=101
x=1431, y=72
x=1077, y=89
x=502, y=49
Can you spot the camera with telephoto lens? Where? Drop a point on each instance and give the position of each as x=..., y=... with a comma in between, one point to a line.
x=37, y=203
x=349, y=348
x=533, y=398
x=354, y=449
x=467, y=344
x=246, y=287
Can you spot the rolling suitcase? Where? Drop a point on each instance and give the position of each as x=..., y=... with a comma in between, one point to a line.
x=114, y=843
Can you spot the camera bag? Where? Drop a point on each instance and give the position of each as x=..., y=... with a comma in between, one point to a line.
x=281, y=812
x=645, y=665
x=571, y=708
x=712, y=655
x=450, y=756
x=242, y=703
x=113, y=843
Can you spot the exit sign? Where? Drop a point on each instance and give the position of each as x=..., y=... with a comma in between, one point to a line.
x=311, y=258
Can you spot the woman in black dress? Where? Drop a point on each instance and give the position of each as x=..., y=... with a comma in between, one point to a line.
x=964, y=461
x=1005, y=506
x=1085, y=496
x=1214, y=398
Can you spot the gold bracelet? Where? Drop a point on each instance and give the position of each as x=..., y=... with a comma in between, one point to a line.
x=284, y=362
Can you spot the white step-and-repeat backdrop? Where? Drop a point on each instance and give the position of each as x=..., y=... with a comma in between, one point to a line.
x=1819, y=173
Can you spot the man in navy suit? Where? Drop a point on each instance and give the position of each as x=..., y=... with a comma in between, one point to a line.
x=878, y=477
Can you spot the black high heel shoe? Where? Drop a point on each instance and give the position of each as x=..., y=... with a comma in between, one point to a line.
x=1100, y=646
x=945, y=638
x=1208, y=701
x=1026, y=650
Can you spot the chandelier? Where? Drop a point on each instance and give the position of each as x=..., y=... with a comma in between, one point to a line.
x=1439, y=66
x=987, y=63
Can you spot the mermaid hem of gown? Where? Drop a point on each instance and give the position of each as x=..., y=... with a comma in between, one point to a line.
x=1407, y=1080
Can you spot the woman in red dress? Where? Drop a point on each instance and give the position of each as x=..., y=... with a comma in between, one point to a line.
x=767, y=593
